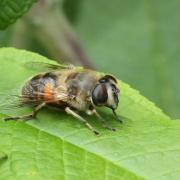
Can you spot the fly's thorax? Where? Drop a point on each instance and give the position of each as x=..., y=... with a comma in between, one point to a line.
x=79, y=87
x=80, y=83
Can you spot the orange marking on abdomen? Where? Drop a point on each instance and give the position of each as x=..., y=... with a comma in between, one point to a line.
x=48, y=92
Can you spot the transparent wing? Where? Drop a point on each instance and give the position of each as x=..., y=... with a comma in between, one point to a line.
x=51, y=96
x=21, y=101
x=42, y=66
x=47, y=97
x=11, y=100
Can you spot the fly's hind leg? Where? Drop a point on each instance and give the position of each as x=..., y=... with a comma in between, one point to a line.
x=77, y=116
x=29, y=116
x=105, y=124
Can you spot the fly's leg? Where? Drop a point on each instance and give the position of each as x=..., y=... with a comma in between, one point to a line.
x=77, y=116
x=105, y=125
x=117, y=118
x=29, y=116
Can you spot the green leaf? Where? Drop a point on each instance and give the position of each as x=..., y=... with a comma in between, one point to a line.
x=10, y=11
x=131, y=38
x=56, y=146
x=2, y=156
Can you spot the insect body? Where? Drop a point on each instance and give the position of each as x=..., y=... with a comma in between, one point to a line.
x=73, y=90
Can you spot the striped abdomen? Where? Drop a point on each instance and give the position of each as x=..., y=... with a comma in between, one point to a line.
x=40, y=88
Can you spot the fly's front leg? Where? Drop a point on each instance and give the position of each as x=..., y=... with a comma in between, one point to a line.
x=117, y=117
x=91, y=112
x=29, y=116
x=77, y=116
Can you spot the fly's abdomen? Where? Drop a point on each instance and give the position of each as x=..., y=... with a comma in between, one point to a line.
x=40, y=88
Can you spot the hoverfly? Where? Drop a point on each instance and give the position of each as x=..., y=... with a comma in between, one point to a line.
x=72, y=89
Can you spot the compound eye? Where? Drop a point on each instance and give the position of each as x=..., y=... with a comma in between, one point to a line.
x=100, y=95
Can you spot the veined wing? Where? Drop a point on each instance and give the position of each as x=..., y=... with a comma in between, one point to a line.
x=42, y=66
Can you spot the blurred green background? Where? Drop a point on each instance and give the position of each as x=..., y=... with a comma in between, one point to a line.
x=136, y=40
